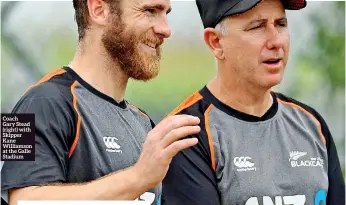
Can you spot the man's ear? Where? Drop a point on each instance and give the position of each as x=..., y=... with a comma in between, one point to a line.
x=98, y=12
x=212, y=38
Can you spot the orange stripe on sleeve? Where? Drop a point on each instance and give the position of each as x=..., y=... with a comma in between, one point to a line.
x=309, y=114
x=73, y=147
x=196, y=96
x=47, y=77
x=210, y=138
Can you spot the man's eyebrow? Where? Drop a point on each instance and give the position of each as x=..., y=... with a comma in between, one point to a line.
x=261, y=20
x=158, y=6
x=281, y=19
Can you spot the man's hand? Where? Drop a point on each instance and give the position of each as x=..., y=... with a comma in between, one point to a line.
x=162, y=144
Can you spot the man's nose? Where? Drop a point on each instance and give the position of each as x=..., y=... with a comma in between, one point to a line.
x=162, y=27
x=275, y=38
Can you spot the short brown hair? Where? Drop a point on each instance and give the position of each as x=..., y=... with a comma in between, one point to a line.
x=82, y=14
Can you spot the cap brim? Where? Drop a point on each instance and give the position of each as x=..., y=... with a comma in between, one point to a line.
x=241, y=7
x=246, y=5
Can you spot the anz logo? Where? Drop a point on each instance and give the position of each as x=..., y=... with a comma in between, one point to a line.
x=320, y=199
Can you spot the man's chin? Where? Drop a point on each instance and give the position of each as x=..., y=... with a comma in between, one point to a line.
x=273, y=81
x=149, y=70
x=145, y=75
x=144, y=79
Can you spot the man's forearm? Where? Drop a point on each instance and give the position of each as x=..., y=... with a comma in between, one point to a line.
x=122, y=185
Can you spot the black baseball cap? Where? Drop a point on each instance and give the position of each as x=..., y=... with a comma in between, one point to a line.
x=212, y=11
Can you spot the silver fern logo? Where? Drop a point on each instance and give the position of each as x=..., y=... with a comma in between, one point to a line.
x=295, y=155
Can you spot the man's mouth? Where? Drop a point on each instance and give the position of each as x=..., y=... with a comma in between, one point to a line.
x=272, y=61
x=273, y=64
x=152, y=45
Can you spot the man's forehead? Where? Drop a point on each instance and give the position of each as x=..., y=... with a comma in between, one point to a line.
x=267, y=6
x=259, y=16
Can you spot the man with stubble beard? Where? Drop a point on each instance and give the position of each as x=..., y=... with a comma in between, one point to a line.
x=90, y=143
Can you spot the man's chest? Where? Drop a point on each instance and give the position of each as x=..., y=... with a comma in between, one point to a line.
x=270, y=165
x=109, y=140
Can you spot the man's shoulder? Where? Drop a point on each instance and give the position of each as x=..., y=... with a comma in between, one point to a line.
x=191, y=105
x=55, y=84
x=53, y=89
x=306, y=110
x=294, y=103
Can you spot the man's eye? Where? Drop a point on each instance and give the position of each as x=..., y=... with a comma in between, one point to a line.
x=256, y=27
x=150, y=11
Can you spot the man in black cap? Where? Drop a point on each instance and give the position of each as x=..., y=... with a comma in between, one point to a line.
x=256, y=146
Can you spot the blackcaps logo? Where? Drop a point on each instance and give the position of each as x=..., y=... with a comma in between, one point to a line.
x=297, y=161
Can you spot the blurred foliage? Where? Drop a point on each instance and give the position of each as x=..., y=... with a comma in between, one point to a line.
x=11, y=44
x=326, y=60
x=57, y=53
x=327, y=56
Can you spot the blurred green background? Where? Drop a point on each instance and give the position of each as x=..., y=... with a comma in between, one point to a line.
x=37, y=37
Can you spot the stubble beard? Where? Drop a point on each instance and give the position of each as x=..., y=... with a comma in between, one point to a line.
x=125, y=48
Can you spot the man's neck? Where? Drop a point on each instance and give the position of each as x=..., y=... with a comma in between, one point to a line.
x=243, y=98
x=92, y=63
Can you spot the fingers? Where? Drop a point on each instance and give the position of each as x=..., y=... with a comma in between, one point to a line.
x=173, y=122
x=179, y=145
x=179, y=133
